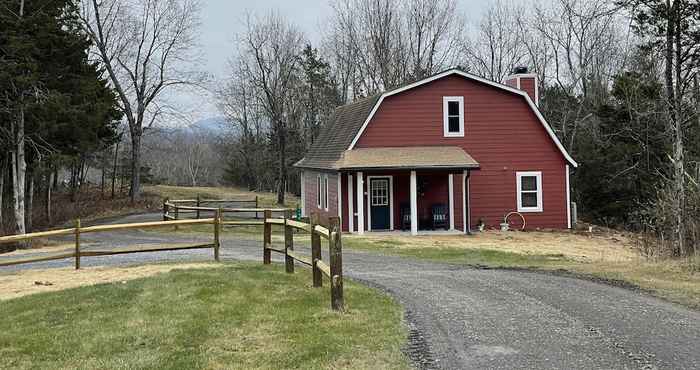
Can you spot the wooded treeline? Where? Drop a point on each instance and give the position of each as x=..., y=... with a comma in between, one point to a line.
x=56, y=109
x=618, y=82
x=70, y=73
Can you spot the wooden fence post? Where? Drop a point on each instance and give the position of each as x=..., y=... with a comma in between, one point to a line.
x=199, y=201
x=217, y=232
x=177, y=215
x=315, y=252
x=165, y=209
x=256, y=207
x=336, y=264
x=288, y=243
x=77, y=244
x=267, y=238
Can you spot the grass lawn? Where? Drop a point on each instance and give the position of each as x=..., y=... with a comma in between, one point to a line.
x=605, y=256
x=235, y=316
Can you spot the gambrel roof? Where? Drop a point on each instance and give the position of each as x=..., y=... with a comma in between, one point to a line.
x=348, y=122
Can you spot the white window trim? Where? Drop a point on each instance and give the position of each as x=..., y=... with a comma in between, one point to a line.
x=538, y=176
x=319, y=191
x=446, y=122
x=325, y=185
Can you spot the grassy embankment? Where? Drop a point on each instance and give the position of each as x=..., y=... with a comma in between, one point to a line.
x=234, y=316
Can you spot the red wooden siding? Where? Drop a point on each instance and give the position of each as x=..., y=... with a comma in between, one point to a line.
x=501, y=133
x=310, y=185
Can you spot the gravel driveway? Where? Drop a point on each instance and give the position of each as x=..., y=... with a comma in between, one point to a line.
x=465, y=318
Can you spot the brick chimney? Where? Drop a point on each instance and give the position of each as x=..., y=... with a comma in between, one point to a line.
x=523, y=80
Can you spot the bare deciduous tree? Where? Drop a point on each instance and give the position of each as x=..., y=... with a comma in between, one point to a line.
x=378, y=44
x=270, y=52
x=497, y=46
x=146, y=48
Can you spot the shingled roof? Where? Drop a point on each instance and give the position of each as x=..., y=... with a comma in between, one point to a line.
x=338, y=133
x=349, y=121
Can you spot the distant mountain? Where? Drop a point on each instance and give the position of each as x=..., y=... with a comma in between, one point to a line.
x=213, y=125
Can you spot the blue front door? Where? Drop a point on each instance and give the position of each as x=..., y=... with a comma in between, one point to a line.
x=380, y=209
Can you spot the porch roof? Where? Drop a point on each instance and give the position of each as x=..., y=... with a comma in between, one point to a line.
x=414, y=157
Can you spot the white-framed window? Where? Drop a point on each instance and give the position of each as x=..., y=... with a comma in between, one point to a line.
x=319, y=191
x=529, y=186
x=325, y=192
x=453, y=116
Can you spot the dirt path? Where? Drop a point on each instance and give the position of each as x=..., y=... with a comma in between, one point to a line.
x=464, y=318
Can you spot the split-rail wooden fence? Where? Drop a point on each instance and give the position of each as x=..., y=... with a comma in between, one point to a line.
x=333, y=270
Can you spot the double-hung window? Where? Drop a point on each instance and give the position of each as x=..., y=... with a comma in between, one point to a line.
x=529, y=186
x=453, y=116
x=322, y=191
x=325, y=192
x=319, y=192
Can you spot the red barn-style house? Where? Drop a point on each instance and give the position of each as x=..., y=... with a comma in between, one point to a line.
x=451, y=151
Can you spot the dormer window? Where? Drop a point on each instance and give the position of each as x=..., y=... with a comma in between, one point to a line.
x=453, y=116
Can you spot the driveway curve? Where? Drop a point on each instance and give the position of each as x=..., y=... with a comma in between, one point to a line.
x=466, y=318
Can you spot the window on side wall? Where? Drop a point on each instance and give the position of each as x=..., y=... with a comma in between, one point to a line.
x=453, y=116
x=325, y=198
x=319, y=193
x=529, y=186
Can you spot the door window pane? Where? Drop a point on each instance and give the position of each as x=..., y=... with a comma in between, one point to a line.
x=380, y=192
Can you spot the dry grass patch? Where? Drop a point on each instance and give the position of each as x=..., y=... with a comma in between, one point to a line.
x=13, y=285
x=266, y=199
x=609, y=247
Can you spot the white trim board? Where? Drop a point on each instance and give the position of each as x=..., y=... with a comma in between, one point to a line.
x=568, y=198
x=351, y=212
x=469, y=76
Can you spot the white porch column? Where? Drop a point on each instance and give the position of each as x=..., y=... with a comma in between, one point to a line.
x=451, y=188
x=414, y=204
x=568, y=199
x=351, y=211
x=465, y=194
x=360, y=205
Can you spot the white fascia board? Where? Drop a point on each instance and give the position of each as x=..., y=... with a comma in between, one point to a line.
x=522, y=93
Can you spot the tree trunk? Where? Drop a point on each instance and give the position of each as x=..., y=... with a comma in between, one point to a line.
x=29, y=211
x=678, y=149
x=102, y=180
x=135, y=191
x=50, y=179
x=19, y=168
x=114, y=168
x=282, y=173
x=55, y=178
x=3, y=169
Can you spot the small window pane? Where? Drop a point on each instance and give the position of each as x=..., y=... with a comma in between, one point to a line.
x=453, y=123
x=453, y=108
x=529, y=200
x=528, y=183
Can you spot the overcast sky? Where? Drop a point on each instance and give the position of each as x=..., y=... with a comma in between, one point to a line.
x=223, y=19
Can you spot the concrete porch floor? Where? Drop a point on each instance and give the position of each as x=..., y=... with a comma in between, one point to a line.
x=408, y=232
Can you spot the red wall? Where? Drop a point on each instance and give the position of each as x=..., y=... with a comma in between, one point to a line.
x=310, y=186
x=501, y=133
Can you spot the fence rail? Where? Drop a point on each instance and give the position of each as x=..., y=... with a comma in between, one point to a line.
x=333, y=270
